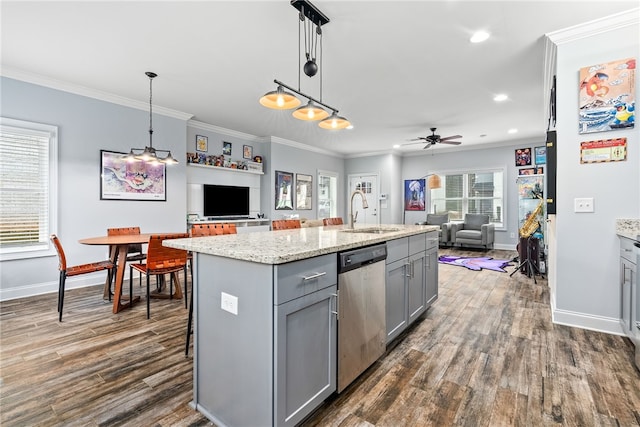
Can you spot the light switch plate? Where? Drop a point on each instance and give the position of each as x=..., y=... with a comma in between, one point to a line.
x=584, y=204
x=229, y=303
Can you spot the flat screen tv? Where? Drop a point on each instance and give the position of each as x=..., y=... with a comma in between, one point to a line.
x=226, y=201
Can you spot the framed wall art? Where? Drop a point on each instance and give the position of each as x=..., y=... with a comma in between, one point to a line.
x=414, y=195
x=523, y=157
x=202, y=143
x=540, y=155
x=304, y=191
x=607, y=96
x=247, y=152
x=226, y=148
x=284, y=190
x=124, y=180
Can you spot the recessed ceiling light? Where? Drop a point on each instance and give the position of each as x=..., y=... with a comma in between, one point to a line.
x=479, y=37
x=512, y=131
x=396, y=146
x=500, y=97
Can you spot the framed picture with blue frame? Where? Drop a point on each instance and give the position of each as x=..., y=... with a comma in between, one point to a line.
x=414, y=195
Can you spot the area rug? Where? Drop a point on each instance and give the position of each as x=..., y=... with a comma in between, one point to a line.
x=476, y=263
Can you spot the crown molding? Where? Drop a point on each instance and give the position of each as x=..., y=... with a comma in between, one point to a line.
x=228, y=132
x=598, y=26
x=48, y=82
x=299, y=145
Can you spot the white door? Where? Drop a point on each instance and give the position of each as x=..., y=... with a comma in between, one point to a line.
x=368, y=184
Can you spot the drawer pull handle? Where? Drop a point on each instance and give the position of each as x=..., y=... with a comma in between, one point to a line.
x=314, y=276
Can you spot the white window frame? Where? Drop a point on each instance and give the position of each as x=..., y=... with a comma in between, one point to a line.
x=334, y=197
x=465, y=192
x=45, y=248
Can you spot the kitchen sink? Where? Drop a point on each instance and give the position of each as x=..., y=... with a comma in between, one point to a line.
x=371, y=230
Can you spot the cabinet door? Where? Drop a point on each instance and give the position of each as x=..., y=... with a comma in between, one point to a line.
x=416, y=285
x=305, y=355
x=432, y=275
x=628, y=291
x=396, y=298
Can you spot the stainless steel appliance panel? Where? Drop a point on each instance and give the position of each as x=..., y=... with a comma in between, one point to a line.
x=361, y=315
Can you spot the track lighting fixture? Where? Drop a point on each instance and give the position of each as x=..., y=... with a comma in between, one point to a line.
x=150, y=154
x=312, y=20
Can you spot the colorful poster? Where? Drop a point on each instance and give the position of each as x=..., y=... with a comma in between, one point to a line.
x=607, y=96
x=124, y=180
x=414, y=196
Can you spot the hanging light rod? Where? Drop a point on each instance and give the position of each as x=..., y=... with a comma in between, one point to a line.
x=310, y=11
x=148, y=154
x=310, y=98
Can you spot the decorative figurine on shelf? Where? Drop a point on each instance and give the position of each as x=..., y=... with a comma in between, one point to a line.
x=219, y=161
x=257, y=159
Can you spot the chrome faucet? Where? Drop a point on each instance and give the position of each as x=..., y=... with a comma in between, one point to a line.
x=365, y=205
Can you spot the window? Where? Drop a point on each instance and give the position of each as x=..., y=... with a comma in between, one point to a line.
x=28, y=177
x=327, y=194
x=470, y=192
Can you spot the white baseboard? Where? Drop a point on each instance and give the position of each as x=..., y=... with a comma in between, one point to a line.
x=52, y=287
x=607, y=325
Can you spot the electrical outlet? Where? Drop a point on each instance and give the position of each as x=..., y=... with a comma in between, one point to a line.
x=513, y=235
x=584, y=204
x=229, y=303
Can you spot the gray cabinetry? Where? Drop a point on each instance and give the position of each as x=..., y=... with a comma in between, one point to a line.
x=305, y=338
x=265, y=347
x=628, y=291
x=411, y=280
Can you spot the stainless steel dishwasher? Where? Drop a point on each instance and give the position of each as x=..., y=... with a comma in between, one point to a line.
x=361, y=311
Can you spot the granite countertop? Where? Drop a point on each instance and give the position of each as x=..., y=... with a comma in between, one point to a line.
x=628, y=228
x=281, y=246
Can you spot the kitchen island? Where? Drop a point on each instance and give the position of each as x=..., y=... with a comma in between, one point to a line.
x=265, y=307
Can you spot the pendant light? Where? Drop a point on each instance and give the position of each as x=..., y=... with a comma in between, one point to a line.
x=150, y=154
x=312, y=20
x=334, y=122
x=279, y=99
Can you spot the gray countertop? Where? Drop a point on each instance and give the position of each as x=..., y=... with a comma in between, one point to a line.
x=278, y=247
x=628, y=228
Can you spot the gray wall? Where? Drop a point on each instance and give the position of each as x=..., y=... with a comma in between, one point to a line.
x=292, y=157
x=86, y=126
x=587, y=246
x=502, y=157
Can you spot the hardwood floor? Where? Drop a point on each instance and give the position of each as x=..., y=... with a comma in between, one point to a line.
x=486, y=354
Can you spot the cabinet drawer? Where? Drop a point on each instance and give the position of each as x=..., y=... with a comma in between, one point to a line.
x=432, y=239
x=417, y=243
x=626, y=250
x=299, y=278
x=397, y=249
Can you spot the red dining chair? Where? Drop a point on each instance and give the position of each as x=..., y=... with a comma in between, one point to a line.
x=285, y=224
x=332, y=221
x=75, y=270
x=163, y=260
x=201, y=230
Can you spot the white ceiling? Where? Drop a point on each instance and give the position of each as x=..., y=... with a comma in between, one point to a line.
x=393, y=68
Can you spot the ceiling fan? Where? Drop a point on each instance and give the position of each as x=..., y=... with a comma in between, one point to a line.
x=436, y=139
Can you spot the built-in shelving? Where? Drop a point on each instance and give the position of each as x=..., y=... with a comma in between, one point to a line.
x=221, y=168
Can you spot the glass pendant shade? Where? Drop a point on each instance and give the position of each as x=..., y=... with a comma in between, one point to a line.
x=334, y=122
x=310, y=112
x=279, y=100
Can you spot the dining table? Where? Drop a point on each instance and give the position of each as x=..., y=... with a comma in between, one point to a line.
x=119, y=245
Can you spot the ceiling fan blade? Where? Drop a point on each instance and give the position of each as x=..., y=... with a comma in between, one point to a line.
x=427, y=146
x=451, y=142
x=412, y=143
x=420, y=138
x=450, y=137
